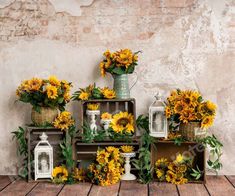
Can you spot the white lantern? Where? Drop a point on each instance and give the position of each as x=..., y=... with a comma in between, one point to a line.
x=43, y=158
x=157, y=118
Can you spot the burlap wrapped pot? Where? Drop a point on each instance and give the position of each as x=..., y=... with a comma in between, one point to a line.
x=47, y=115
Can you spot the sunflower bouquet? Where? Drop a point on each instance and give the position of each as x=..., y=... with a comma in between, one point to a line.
x=93, y=92
x=119, y=62
x=175, y=172
x=107, y=169
x=188, y=106
x=50, y=92
x=122, y=126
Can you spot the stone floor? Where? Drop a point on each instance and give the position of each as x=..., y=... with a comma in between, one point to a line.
x=221, y=186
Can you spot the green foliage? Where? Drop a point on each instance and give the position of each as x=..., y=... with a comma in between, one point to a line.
x=216, y=151
x=88, y=135
x=196, y=173
x=143, y=163
x=178, y=141
x=22, y=151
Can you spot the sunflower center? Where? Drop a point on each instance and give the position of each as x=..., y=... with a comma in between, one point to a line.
x=123, y=121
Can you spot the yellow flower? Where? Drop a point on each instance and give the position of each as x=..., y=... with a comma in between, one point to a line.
x=123, y=122
x=170, y=176
x=211, y=106
x=79, y=174
x=127, y=149
x=168, y=112
x=207, y=122
x=108, y=93
x=179, y=159
x=106, y=116
x=124, y=57
x=51, y=92
x=160, y=173
x=63, y=121
x=84, y=96
x=102, y=69
x=107, y=54
x=67, y=97
x=54, y=81
x=161, y=162
x=102, y=157
x=182, y=168
x=179, y=107
x=92, y=106
x=60, y=174
x=34, y=84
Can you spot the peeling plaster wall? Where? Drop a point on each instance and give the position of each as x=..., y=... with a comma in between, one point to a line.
x=185, y=44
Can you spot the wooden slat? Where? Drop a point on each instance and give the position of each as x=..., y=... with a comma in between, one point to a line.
x=231, y=179
x=47, y=189
x=4, y=181
x=76, y=189
x=192, y=190
x=165, y=189
x=129, y=188
x=19, y=187
x=104, y=190
x=219, y=185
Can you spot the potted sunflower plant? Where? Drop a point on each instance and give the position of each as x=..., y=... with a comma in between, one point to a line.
x=47, y=96
x=193, y=115
x=119, y=64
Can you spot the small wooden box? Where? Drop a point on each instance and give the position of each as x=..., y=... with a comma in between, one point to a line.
x=111, y=106
x=167, y=149
x=55, y=137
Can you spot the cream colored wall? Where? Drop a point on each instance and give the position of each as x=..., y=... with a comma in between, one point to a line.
x=185, y=44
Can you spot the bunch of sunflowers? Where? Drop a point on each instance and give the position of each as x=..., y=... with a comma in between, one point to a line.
x=93, y=92
x=39, y=93
x=188, y=106
x=119, y=62
x=63, y=121
x=107, y=169
x=122, y=125
x=174, y=172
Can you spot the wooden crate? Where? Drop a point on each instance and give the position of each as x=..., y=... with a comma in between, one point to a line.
x=87, y=151
x=167, y=149
x=112, y=106
x=55, y=137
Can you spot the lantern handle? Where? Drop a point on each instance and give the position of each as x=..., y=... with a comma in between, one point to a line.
x=158, y=96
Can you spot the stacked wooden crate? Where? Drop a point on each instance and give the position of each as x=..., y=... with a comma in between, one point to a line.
x=87, y=151
x=55, y=137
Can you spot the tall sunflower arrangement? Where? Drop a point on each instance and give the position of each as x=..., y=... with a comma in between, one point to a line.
x=93, y=92
x=119, y=62
x=122, y=126
x=49, y=92
x=107, y=169
x=188, y=106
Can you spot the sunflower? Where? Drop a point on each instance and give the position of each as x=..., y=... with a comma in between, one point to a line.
x=67, y=97
x=179, y=107
x=102, y=69
x=51, y=92
x=79, y=174
x=207, y=122
x=211, y=106
x=179, y=159
x=160, y=173
x=34, y=84
x=108, y=93
x=108, y=54
x=60, y=174
x=84, y=96
x=102, y=157
x=124, y=57
x=63, y=121
x=170, y=176
x=54, y=81
x=106, y=116
x=122, y=122
x=127, y=149
x=168, y=112
x=182, y=168
x=92, y=106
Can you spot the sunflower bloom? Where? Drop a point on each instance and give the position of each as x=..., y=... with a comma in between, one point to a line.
x=51, y=92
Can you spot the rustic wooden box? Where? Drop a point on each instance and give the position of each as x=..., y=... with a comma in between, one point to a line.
x=112, y=106
x=167, y=149
x=55, y=137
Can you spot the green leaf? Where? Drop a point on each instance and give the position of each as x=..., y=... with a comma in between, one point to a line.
x=118, y=71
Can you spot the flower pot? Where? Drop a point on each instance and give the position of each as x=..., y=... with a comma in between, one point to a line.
x=46, y=116
x=121, y=86
x=192, y=131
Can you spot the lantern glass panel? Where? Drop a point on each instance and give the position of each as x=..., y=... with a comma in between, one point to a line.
x=43, y=160
x=158, y=122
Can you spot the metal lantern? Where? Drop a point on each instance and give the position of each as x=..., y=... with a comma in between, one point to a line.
x=157, y=118
x=43, y=158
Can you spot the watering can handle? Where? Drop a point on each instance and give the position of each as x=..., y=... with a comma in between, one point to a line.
x=135, y=81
